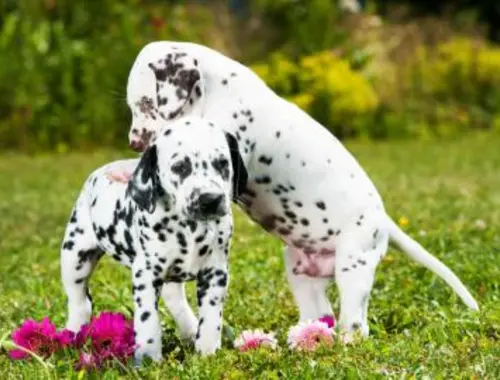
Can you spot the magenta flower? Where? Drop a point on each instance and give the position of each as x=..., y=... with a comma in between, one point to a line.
x=40, y=338
x=308, y=335
x=249, y=340
x=110, y=335
x=329, y=320
x=65, y=338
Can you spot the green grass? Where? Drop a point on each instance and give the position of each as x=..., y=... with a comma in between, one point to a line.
x=419, y=327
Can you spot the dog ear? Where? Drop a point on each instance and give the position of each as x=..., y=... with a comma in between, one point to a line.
x=240, y=174
x=142, y=187
x=178, y=82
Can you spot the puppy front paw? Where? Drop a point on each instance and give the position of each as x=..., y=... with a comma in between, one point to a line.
x=150, y=350
x=206, y=348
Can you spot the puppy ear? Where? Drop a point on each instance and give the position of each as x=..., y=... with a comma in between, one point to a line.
x=142, y=187
x=240, y=174
x=178, y=82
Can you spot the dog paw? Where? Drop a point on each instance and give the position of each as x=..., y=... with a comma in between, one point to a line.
x=205, y=348
x=354, y=333
x=141, y=353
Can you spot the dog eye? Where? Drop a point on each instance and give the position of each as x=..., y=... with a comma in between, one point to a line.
x=182, y=168
x=223, y=163
x=221, y=166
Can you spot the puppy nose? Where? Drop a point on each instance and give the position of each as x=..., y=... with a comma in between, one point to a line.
x=211, y=204
x=136, y=145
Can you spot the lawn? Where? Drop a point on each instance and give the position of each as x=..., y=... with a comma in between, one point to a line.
x=448, y=191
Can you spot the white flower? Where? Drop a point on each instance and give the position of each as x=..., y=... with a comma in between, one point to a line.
x=252, y=339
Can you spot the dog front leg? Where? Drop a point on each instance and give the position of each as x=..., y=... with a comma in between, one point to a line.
x=174, y=296
x=212, y=284
x=147, y=279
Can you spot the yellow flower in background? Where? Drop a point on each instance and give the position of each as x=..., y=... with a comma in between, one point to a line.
x=303, y=100
x=403, y=221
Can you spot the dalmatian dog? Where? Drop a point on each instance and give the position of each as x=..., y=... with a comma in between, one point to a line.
x=172, y=223
x=303, y=185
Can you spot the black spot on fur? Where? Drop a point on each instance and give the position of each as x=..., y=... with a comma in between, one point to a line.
x=145, y=315
x=203, y=250
x=265, y=160
x=181, y=239
x=263, y=180
x=69, y=244
x=284, y=231
x=321, y=205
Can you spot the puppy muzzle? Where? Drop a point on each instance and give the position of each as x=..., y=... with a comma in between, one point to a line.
x=208, y=205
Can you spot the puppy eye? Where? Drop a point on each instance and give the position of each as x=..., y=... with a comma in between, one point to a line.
x=221, y=166
x=222, y=163
x=182, y=168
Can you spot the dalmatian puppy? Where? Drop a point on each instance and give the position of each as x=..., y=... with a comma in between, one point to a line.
x=303, y=185
x=172, y=223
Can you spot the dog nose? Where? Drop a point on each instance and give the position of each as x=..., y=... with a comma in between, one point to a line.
x=136, y=145
x=211, y=204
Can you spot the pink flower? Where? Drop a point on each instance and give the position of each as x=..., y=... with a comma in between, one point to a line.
x=110, y=335
x=329, y=320
x=40, y=338
x=249, y=340
x=88, y=361
x=306, y=336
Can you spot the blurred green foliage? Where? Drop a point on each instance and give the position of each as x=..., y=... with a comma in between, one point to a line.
x=64, y=67
x=326, y=87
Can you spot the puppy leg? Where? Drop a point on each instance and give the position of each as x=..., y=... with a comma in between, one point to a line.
x=212, y=284
x=147, y=279
x=79, y=255
x=174, y=296
x=354, y=275
x=309, y=292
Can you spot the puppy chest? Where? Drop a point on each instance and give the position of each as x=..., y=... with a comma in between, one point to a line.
x=184, y=245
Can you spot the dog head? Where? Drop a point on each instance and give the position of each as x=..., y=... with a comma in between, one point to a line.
x=196, y=171
x=165, y=82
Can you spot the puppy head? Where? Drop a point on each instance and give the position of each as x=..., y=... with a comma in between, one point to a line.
x=194, y=167
x=165, y=82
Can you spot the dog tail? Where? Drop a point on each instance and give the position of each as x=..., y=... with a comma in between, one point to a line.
x=416, y=252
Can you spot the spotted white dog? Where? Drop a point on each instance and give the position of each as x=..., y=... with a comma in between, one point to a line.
x=171, y=224
x=303, y=185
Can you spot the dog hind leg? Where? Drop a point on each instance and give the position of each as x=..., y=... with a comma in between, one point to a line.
x=80, y=253
x=309, y=292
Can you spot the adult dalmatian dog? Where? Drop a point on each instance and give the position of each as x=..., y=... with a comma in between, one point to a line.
x=172, y=223
x=303, y=185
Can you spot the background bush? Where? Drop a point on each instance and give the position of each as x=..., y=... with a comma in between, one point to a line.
x=64, y=65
